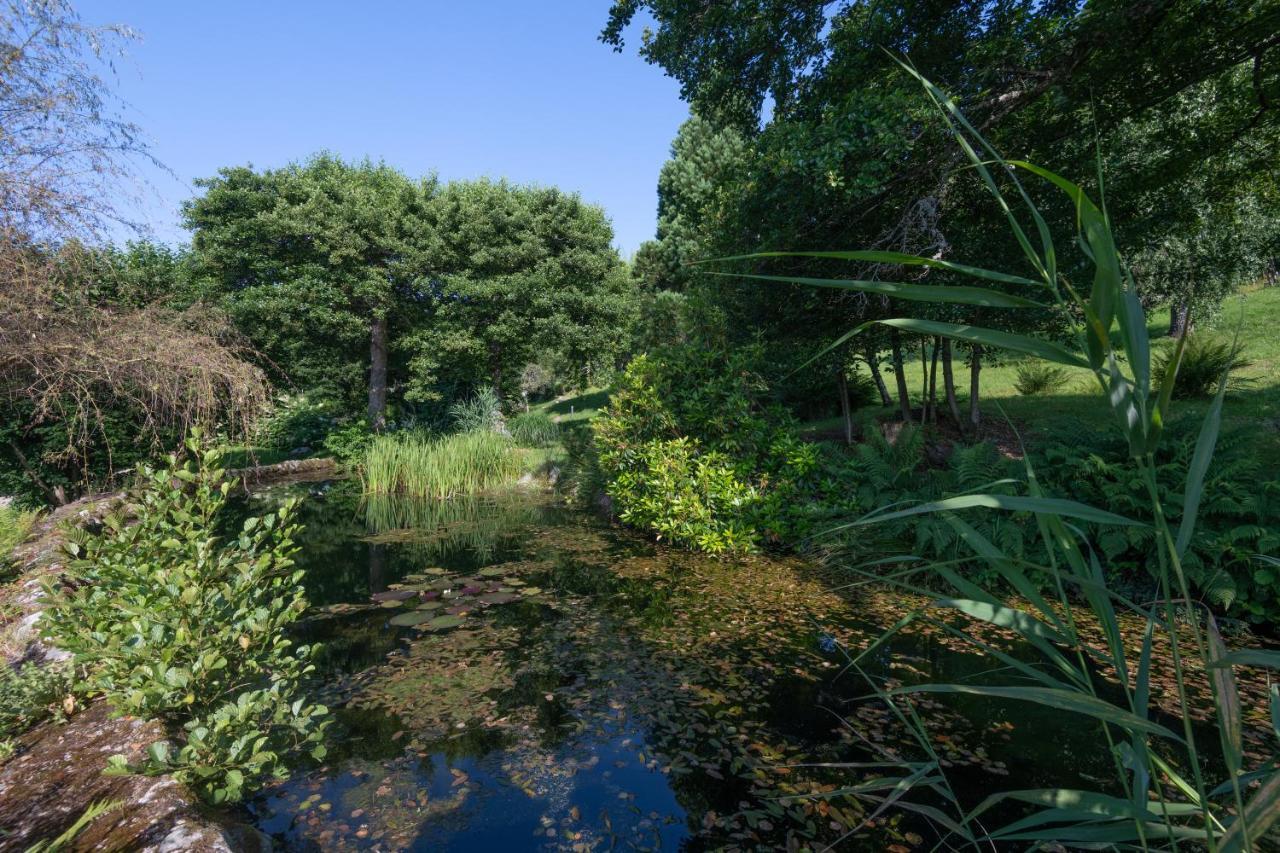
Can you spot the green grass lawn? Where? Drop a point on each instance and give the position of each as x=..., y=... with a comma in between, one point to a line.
x=1077, y=404
x=579, y=407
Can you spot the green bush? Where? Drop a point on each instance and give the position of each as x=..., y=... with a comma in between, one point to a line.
x=420, y=465
x=482, y=412
x=350, y=442
x=295, y=421
x=534, y=429
x=1206, y=359
x=164, y=618
x=705, y=414
x=1038, y=377
x=31, y=694
x=15, y=524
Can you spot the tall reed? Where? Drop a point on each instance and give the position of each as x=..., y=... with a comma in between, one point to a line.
x=423, y=466
x=1160, y=796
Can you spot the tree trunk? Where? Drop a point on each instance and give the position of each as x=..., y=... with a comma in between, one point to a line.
x=846, y=411
x=924, y=383
x=904, y=398
x=56, y=494
x=975, y=368
x=931, y=402
x=495, y=368
x=949, y=383
x=873, y=364
x=378, y=373
x=1179, y=319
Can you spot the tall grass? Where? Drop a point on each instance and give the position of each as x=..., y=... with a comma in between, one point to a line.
x=423, y=466
x=1160, y=795
x=534, y=429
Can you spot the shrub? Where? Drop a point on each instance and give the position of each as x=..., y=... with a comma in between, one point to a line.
x=31, y=694
x=479, y=413
x=1038, y=377
x=419, y=465
x=295, y=421
x=703, y=412
x=686, y=497
x=164, y=618
x=534, y=429
x=350, y=442
x=1205, y=360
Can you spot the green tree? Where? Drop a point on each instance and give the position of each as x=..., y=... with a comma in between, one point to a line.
x=522, y=271
x=318, y=262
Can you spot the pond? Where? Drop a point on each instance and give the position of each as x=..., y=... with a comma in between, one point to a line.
x=508, y=674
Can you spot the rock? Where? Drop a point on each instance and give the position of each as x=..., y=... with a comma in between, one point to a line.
x=57, y=775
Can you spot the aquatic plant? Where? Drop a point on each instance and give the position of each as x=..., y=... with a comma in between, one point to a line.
x=419, y=465
x=1160, y=795
x=165, y=618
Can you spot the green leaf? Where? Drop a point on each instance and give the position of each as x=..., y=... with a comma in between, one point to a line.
x=1046, y=350
x=890, y=258
x=1226, y=695
x=1260, y=813
x=1009, y=503
x=1199, y=466
x=951, y=295
x=1064, y=700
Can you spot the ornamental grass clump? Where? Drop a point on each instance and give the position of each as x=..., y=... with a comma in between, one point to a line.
x=1161, y=794
x=165, y=617
x=419, y=465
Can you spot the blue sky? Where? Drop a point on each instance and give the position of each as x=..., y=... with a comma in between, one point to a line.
x=506, y=89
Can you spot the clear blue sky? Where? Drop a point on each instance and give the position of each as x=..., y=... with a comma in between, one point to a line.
x=521, y=90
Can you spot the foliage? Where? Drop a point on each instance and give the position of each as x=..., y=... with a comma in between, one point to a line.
x=349, y=443
x=166, y=618
x=31, y=694
x=15, y=524
x=419, y=465
x=96, y=809
x=534, y=429
x=88, y=388
x=1205, y=360
x=482, y=412
x=703, y=414
x=295, y=420
x=68, y=150
x=1036, y=377
x=1157, y=769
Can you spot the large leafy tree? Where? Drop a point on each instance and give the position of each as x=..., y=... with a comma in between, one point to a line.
x=320, y=262
x=844, y=152
x=525, y=272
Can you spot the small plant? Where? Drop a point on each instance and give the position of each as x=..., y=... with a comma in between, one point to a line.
x=164, y=618
x=15, y=524
x=350, y=442
x=481, y=412
x=31, y=694
x=534, y=429
x=1036, y=378
x=1205, y=360
x=419, y=465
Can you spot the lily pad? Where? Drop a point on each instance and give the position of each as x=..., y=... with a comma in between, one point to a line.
x=412, y=617
x=394, y=595
x=492, y=572
x=434, y=571
x=430, y=605
x=440, y=623
x=531, y=590
x=499, y=597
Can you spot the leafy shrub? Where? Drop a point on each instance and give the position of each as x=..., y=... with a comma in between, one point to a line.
x=350, y=442
x=420, y=465
x=534, y=429
x=702, y=413
x=482, y=412
x=1038, y=377
x=31, y=694
x=1205, y=359
x=295, y=421
x=164, y=618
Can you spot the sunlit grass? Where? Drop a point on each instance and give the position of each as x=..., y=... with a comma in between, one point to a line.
x=419, y=465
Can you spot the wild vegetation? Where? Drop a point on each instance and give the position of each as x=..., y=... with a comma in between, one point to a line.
x=866, y=362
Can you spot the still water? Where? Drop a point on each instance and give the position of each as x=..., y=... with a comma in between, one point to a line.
x=508, y=675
